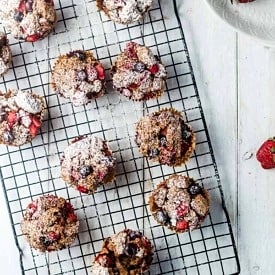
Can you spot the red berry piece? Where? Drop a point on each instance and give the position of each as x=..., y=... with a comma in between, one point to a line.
x=154, y=68
x=28, y=5
x=266, y=154
x=32, y=207
x=72, y=217
x=182, y=210
x=130, y=50
x=53, y=236
x=33, y=130
x=104, y=260
x=182, y=225
x=82, y=189
x=22, y=6
x=100, y=71
x=36, y=121
x=12, y=118
x=133, y=86
x=33, y=37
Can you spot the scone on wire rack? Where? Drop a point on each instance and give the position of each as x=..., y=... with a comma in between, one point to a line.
x=138, y=74
x=5, y=54
x=87, y=163
x=128, y=252
x=179, y=203
x=79, y=77
x=49, y=223
x=21, y=115
x=28, y=20
x=124, y=11
x=163, y=136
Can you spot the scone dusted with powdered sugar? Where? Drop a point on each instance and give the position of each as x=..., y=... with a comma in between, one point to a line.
x=28, y=20
x=164, y=137
x=179, y=203
x=79, y=77
x=124, y=11
x=139, y=74
x=21, y=115
x=49, y=223
x=87, y=163
x=128, y=252
x=5, y=54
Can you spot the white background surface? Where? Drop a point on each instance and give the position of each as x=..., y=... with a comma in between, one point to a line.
x=236, y=79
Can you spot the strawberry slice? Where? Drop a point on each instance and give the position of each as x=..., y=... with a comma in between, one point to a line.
x=72, y=217
x=33, y=37
x=100, y=71
x=182, y=210
x=33, y=130
x=36, y=121
x=182, y=225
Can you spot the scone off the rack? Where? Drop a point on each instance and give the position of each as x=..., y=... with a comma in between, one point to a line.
x=128, y=252
x=21, y=115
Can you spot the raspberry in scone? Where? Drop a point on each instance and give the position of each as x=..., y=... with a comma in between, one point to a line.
x=179, y=203
x=5, y=54
x=164, y=137
x=28, y=20
x=79, y=77
x=124, y=11
x=21, y=115
x=87, y=163
x=128, y=252
x=49, y=223
x=138, y=74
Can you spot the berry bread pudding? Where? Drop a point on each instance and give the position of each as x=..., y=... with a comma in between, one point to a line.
x=128, y=252
x=21, y=115
x=49, y=223
x=28, y=20
x=87, y=163
x=164, y=137
x=79, y=77
x=124, y=11
x=5, y=54
x=179, y=203
x=138, y=74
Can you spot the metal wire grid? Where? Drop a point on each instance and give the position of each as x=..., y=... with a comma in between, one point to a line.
x=33, y=169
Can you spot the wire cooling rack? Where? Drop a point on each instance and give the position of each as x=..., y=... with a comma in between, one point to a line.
x=33, y=169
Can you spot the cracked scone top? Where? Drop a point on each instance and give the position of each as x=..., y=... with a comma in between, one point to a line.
x=49, y=223
x=79, y=77
x=5, y=54
x=28, y=20
x=179, y=203
x=87, y=163
x=128, y=252
x=21, y=115
x=139, y=74
x=164, y=137
x=124, y=11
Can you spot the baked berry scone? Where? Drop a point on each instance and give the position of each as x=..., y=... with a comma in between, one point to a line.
x=49, y=223
x=179, y=203
x=138, y=74
x=28, y=20
x=79, y=77
x=124, y=11
x=128, y=252
x=87, y=163
x=5, y=54
x=164, y=137
x=21, y=115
